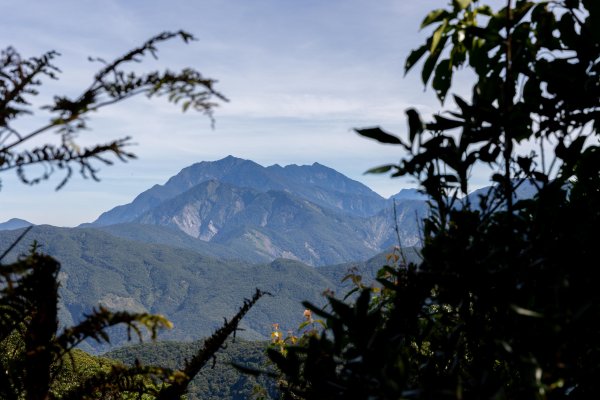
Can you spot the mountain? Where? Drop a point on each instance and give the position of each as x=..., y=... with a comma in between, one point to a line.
x=524, y=190
x=173, y=237
x=398, y=224
x=316, y=183
x=193, y=290
x=269, y=224
x=409, y=194
x=308, y=213
x=14, y=223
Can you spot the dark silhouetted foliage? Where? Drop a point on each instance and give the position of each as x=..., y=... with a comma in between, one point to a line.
x=503, y=305
x=38, y=361
x=20, y=79
x=34, y=350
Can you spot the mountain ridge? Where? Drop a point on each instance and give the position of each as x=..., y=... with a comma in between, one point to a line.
x=334, y=189
x=311, y=213
x=14, y=223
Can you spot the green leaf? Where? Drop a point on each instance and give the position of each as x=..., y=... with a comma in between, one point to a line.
x=464, y=106
x=545, y=23
x=320, y=322
x=521, y=11
x=484, y=10
x=442, y=79
x=379, y=135
x=431, y=62
x=380, y=170
x=593, y=19
x=437, y=36
x=444, y=124
x=458, y=55
x=303, y=325
x=414, y=56
x=462, y=4
x=415, y=125
x=434, y=16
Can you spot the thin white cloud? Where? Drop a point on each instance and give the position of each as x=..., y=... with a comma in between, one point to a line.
x=300, y=76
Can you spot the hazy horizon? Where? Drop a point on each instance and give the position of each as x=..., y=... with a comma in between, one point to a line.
x=162, y=183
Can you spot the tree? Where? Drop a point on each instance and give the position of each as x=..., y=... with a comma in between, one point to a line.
x=113, y=83
x=34, y=354
x=502, y=304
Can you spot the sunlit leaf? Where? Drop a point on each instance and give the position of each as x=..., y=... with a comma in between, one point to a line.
x=526, y=312
x=431, y=61
x=437, y=36
x=434, y=16
x=462, y=4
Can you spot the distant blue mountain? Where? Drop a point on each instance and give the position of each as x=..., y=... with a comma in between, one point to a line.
x=409, y=194
x=269, y=224
x=14, y=223
x=310, y=213
x=526, y=189
x=316, y=183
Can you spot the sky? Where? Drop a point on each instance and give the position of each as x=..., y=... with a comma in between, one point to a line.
x=299, y=76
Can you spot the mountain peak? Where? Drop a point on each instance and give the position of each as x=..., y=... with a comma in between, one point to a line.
x=409, y=194
x=317, y=183
x=230, y=159
x=14, y=223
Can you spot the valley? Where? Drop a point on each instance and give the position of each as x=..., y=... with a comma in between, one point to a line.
x=195, y=247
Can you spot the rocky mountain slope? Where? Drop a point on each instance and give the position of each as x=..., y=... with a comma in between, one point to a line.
x=316, y=183
x=308, y=213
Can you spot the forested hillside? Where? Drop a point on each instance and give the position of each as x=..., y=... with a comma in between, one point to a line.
x=222, y=381
x=192, y=289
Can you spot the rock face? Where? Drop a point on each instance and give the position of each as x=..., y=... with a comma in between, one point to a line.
x=272, y=224
x=316, y=183
x=309, y=213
